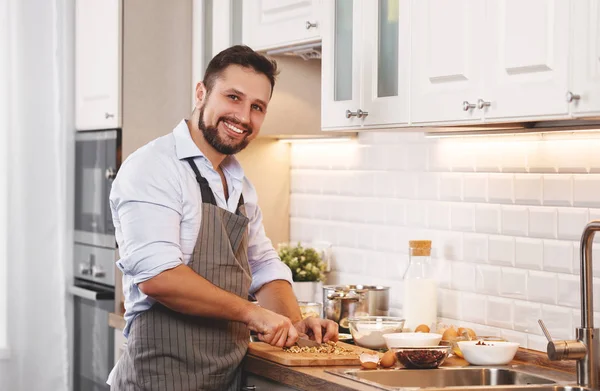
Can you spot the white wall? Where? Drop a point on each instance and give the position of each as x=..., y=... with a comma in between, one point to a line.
x=505, y=214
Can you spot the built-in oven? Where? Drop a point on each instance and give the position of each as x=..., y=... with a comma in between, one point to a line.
x=97, y=159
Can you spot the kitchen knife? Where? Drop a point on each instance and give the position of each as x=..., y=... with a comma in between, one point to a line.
x=306, y=342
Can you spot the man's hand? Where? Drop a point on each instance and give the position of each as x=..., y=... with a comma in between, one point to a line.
x=272, y=328
x=322, y=330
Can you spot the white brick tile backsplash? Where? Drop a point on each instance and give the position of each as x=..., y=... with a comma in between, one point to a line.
x=475, y=248
x=475, y=187
x=438, y=215
x=515, y=220
x=586, y=188
x=499, y=312
x=449, y=303
x=428, y=188
x=501, y=188
x=505, y=215
x=462, y=217
x=451, y=186
x=558, y=189
x=571, y=222
x=513, y=283
x=529, y=253
x=558, y=320
x=487, y=218
x=568, y=291
x=528, y=189
x=542, y=287
x=463, y=276
x=487, y=279
x=501, y=250
x=526, y=316
x=557, y=256
x=472, y=306
x=543, y=222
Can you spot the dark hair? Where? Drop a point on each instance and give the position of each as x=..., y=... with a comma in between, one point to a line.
x=239, y=55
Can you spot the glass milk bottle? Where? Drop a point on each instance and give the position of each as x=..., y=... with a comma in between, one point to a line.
x=420, y=287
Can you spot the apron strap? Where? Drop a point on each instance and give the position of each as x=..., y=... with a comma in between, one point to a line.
x=205, y=190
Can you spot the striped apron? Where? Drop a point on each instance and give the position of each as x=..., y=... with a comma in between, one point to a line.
x=167, y=350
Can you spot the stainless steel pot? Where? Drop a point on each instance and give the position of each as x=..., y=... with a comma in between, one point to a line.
x=341, y=302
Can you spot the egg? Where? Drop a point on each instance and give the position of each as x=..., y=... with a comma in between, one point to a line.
x=470, y=332
x=449, y=334
x=388, y=359
x=422, y=328
x=368, y=361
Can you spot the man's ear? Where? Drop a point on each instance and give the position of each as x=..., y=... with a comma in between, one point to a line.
x=201, y=94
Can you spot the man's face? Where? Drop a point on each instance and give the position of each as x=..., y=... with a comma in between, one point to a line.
x=231, y=115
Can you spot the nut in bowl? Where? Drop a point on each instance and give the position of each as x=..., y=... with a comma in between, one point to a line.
x=422, y=357
x=403, y=340
x=488, y=352
x=369, y=331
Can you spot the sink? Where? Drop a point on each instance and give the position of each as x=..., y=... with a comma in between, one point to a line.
x=480, y=377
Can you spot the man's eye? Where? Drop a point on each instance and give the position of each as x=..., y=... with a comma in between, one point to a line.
x=233, y=97
x=257, y=108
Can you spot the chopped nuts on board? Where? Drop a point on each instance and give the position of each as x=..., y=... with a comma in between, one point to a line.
x=327, y=348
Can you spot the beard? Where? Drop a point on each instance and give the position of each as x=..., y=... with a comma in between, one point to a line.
x=212, y=136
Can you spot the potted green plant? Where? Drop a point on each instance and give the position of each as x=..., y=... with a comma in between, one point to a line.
x=308, y=270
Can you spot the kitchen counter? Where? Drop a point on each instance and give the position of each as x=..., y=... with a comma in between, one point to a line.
x=311, y=378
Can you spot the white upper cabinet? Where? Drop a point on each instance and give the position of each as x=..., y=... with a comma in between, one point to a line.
x=98, y=64
x=386, y=60
x=270, y=24
x=340, y=65
x=447, y=53
x=584, y=94
x=526, y=71
x=366, y=46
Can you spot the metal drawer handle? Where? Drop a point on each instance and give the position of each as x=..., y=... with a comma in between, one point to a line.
x=350, y=114
x=481, y=104
x=361, y=114
x=466, y=106
x=249, y=388
x=108, y=115
x=310, y=25
x=571, y=97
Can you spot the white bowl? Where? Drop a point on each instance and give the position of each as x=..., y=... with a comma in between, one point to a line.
x=405, y=340
x=492, y=353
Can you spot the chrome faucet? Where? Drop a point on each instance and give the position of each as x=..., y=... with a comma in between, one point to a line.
x=586, y=349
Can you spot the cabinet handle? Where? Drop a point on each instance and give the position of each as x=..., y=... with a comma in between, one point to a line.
x=310, y=25
x=108, y=115
x=350, y=114
x=110, y=173
x=466, y=106
x=481, y=104
x=361, y=114
x=249, y=388
x=571, y=97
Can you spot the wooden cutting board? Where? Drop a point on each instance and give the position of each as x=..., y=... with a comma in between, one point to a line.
x=275, y=354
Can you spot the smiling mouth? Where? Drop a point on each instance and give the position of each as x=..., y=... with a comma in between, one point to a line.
x=234, y=128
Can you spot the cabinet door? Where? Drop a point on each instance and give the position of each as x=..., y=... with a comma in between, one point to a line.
x=275, y=23
x=340, y=65
x=97, y=64
x=527, y=69
x=446, y=65
x=386, y=61
x=586, y=58
x=263, y=384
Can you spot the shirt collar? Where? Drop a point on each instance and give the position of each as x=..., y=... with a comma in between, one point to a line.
x=185, y=148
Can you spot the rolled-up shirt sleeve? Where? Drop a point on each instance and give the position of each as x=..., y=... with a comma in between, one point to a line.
x=265, y=264
x=146, y=203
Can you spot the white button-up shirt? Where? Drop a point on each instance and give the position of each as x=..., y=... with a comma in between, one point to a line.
x=156, y=208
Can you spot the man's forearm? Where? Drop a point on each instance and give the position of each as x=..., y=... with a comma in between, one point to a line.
x=183, y=290
x=279, y=297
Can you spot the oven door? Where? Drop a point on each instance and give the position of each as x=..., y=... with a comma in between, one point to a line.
x=97, y=159
x=94, y=339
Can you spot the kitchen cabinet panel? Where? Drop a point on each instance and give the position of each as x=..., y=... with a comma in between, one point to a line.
x=275, y=23
x=97, y=64
x=586, y=58
x=526, y=72
x=447, y=51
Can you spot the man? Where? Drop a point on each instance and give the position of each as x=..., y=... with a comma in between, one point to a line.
x=193, y=246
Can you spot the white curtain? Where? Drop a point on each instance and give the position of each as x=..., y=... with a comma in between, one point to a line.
x=36, y=87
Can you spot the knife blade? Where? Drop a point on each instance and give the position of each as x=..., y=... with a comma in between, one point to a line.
x=306, y=342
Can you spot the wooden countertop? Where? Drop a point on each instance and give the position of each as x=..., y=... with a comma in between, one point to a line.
x=311, y=378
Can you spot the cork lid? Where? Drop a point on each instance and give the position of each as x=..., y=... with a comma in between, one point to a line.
x=421, y=248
